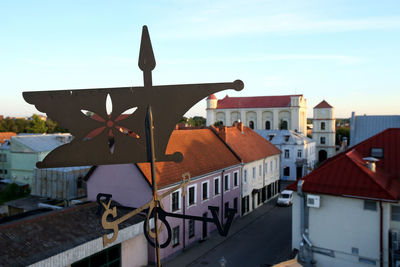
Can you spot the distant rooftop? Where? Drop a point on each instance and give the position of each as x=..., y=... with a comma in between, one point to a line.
x=363, y=127
x=323, y=104
x=42, y=142
x=6, y=136
x=284, y=137
x=255, y=102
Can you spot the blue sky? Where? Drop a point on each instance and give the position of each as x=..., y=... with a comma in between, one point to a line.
x=346, y=52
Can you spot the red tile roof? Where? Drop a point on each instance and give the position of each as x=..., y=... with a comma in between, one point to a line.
x=255, y=102
x=246, y=143
x=212, y=96
x=6, y=135
x=203, y=153
x=346, y=174
x=323, y=104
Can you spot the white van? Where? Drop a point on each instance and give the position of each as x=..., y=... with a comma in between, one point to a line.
x=285, y=198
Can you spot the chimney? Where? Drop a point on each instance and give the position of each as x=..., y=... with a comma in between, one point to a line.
x=239, y=125
x=222, y=132
x=371, y=163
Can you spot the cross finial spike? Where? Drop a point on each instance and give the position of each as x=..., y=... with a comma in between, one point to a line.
x=147, y=61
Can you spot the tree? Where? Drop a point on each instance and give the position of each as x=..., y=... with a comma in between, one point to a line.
x=342, y=132
x=37, y=125
x=197, y=121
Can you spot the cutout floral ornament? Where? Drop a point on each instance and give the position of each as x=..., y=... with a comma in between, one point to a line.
x=109, y=124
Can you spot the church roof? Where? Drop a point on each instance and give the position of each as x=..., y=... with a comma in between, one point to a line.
x=323, y=104
x=212, y=96
x=255, y=102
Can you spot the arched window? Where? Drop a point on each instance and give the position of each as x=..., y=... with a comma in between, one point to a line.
x=251, y=124
x=267, y=125
x=322, y=125
x=284, y=125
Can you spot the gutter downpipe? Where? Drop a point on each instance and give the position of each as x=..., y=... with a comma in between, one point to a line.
x=222, y=197
x=380, y=234
x=305, y=248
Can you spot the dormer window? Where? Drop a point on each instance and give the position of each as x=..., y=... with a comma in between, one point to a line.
x=271, y=136
x=377, y=152
x=287, y=138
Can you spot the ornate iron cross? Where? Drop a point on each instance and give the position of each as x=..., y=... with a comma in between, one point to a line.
x=127, y=134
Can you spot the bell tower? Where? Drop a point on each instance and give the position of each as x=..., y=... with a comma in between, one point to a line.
x=324, y=131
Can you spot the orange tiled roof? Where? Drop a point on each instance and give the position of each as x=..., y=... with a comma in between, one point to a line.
x=6, y=135
x=203, y=153
x=323, y=104
x=247, y=144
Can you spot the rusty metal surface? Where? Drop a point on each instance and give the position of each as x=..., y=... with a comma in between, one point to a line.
x=92, y=133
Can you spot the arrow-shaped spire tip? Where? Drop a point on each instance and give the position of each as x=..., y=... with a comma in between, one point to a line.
x=147, y=61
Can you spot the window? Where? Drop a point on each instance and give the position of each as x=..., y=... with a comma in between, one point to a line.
x=322, y=125
x=191, y=195
x=287, y=153
x=204, y=191
x=107, y=257
x=245, y=176
x=322, y=140
x=267, y=125
x=175, y=201
x=235, y=179
x=260, y=170
x=216, y=186
x=79, y=183
x=235, y=204
x=377, y=152
x=286, y=171
x=266, y=167
x=370, y=205
x=396, y=213
x=227, y=183
x=175, y=236
x=1, y=171
x=5, y=171
x=271, y=136
x=251, y=124
x=226, y=209
x=254, y=172
x=191, y=228
x=287, y=138
x=299, y=153
x=284, y=125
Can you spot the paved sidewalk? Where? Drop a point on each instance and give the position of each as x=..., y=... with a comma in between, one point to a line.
x=189, y=255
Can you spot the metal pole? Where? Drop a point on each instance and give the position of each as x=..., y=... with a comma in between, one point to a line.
x=150, y=144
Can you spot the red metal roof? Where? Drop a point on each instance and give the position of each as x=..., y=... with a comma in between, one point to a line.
x=6, y=135
x=203, y=153
x=255, y=102
x=346, y=174
x=246, y=143
x=323, y=104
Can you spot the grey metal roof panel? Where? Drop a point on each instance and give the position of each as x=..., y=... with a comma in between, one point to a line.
x=368, y=126
x=42, y=142
x=279, y=138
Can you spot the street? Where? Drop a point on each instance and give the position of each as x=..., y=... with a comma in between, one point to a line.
x=264, y=241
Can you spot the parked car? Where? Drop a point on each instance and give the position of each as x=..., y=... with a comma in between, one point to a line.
x=285, y=198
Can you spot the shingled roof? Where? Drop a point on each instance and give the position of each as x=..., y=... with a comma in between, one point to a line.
x=203, y=153
x=246, y=143
x=29, y=241
x=347, y=175
x=255, y=102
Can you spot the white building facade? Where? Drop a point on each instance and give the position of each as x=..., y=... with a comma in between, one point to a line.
x=298, y=156
x=260, y=112
x=324, y=130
